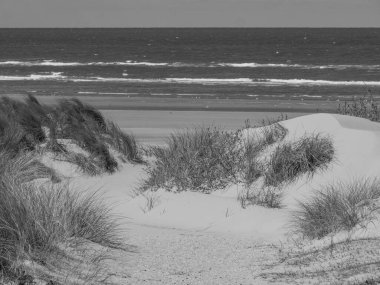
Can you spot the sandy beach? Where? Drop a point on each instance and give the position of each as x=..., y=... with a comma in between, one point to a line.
x=154, y=126
x=214, y=207
x=193, y=238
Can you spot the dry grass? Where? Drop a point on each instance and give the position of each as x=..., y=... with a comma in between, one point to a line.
x=24, y=126
x=363, y=107
x=304, y=156
x=205, y=159
x=201, y=159
x=336, y=207
x=270, y=197
x=35, y=218
x=352, y=262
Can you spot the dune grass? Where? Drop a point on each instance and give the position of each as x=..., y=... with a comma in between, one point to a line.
x=205, y=159
x=36, y=218
x=305, y=156
x=27, y=125
x=340, y=206
x=363, y=107
x=202, y=159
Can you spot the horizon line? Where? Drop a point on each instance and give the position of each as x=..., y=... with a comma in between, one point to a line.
x=210, y=27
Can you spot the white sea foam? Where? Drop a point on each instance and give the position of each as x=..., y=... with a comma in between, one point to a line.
x=301, y=66
x=309, y=96
x=203, y=81
x=58, y=63
x=299, y=82
x=194, y=65
x=50, y=76
x=256, y=65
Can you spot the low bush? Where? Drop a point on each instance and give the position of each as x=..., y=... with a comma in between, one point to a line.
x=24, y=167
x=304, y=156
x=270, y=197
x=122, y=142
x=336, y=207
x=363, y=107
x=205, y=159
x=24, y=126
x=201, y=159
x=36, y=218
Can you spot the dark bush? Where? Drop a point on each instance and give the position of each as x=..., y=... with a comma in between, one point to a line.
x=336, y=207
x=304, y=156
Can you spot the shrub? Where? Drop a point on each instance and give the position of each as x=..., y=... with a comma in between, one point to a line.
x=24, y=126
x=122, y=142
x=207, y=158
x=363, y=107
x=13, y=138
x=87, y=164
x=24, y=168
x=36, y=218
x=306, y=155
x=269, y=196
x=201, y=159
x=273, y=133
x=26, y=116
x=336, y=207
x=74, y=110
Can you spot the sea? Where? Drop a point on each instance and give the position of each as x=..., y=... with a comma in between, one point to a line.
x=234, y=63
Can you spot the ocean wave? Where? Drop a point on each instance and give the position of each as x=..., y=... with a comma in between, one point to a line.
x=64, y=64
x=309, y=82
x=194, y=65
x=202, y=81
x=302, y=66
x=234, y=81
x=36, y=77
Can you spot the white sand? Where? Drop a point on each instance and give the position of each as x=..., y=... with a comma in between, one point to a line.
x=193, y=238
x=152, y=127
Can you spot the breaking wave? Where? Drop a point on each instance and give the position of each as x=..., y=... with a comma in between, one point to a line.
x=58, y=76
x=194, y=65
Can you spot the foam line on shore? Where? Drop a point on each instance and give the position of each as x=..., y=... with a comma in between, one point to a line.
x=193, y=65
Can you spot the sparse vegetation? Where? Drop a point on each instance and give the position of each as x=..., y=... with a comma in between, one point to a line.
x=337, y=207
x=267, y=196
x=35, y=218
x=363, y=107
x=201, y=159
x=206, y=159
x=38, y=218
x=28, y=126
x=304, y=156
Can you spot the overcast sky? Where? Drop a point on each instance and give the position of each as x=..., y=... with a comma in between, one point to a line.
x=189, y=13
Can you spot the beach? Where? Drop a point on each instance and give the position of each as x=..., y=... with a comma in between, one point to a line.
x=190, y=156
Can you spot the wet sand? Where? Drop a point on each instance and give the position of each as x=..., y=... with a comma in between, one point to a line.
x=152, y=127
x=192, y=104
x=151, y=120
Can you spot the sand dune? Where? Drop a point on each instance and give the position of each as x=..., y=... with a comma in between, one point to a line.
x=194, y=238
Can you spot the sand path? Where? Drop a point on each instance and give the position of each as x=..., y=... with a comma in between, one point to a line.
x=172, y=256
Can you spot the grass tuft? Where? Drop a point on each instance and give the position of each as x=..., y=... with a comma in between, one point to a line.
x=363, y=107
x=337, y=207
x=205, y=159
x=304, y=156
x=36, y=218
x=25, y=126
x=201, y=159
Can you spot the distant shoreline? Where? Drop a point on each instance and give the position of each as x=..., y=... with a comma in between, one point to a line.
x=187, y=104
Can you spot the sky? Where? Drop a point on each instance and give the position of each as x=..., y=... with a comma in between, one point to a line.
x=189, y=13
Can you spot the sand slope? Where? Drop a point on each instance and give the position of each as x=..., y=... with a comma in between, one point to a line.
x=193, y=238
